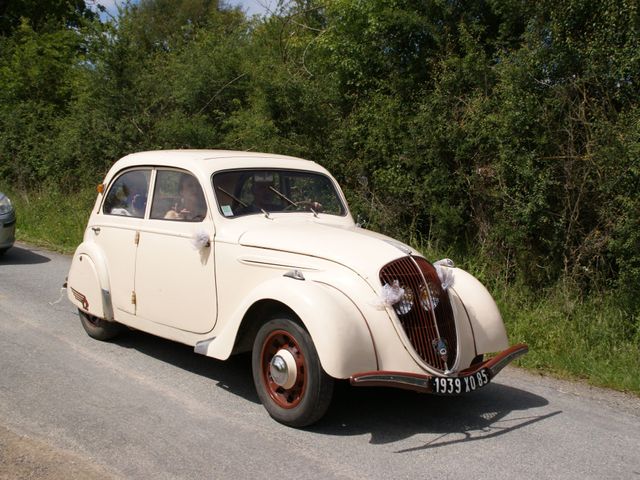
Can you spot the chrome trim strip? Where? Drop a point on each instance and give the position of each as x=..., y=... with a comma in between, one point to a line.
x=107, y=306
x=395, y=380
x=272, y=263
x=503, y=362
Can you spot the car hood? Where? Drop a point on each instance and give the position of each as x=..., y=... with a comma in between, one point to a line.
x=356, y=248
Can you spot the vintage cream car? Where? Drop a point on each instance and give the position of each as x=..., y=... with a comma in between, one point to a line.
x=235, y=252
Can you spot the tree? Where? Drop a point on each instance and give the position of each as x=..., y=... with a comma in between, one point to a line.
x=47, y=15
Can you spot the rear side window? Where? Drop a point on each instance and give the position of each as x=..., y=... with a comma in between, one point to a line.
x=127, y=195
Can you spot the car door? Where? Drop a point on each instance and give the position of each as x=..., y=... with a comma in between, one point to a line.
x=116, y=233
x=175, y=277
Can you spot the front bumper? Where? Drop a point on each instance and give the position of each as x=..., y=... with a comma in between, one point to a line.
x=7, y=230
x=423, y=383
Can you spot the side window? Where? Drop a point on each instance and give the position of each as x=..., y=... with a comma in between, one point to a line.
x=178, y=196
x=128, y=194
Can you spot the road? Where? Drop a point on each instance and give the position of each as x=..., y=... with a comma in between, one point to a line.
x=143, y=407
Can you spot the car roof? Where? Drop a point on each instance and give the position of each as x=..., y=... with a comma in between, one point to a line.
x=209, y=161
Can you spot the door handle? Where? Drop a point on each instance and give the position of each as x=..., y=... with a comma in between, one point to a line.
x=96, y=230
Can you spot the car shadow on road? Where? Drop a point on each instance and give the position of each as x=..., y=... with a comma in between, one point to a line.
x=388, y=415
x=22, y=256
x=233, y=375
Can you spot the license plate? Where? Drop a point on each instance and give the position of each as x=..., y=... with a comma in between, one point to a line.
x=458, y=385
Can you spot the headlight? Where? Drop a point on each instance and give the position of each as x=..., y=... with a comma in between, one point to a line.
x=5, y=204
x=405, y=304
x=427, y=298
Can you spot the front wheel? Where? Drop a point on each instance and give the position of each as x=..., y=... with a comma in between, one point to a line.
x=98, y=328
x=287, y=373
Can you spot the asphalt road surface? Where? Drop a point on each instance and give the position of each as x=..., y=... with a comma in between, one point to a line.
x=143, y=407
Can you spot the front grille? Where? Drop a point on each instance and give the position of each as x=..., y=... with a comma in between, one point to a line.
x=425, y=311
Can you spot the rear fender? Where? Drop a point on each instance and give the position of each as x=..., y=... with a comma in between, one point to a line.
x=338, y=329
x=88, y=282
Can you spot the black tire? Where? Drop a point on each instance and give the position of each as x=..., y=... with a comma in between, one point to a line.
x=308, y=399
x=477, y=360
x=98, y=328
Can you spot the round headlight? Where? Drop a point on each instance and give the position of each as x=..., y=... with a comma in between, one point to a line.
x=5, y=204
x=405, y=304
x=428, y=301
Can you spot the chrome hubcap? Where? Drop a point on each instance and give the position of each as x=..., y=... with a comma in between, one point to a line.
x=282, y=369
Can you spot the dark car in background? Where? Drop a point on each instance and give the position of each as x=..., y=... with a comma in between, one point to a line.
x=7, y=223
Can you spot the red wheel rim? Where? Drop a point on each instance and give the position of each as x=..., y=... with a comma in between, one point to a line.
x=283, y=397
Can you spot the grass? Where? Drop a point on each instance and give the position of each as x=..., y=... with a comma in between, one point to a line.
x=594, y=339
x=591, y=339
x=49, y=218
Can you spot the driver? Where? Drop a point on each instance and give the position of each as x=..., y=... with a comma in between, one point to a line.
x=263, y=197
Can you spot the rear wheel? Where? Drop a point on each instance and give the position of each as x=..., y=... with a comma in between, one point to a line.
x=287, y=373
x=98, y=328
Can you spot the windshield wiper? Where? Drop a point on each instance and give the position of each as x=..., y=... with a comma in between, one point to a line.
x=232, y=197
x=287, y=199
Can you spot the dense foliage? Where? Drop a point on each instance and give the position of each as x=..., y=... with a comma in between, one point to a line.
x=503, y=130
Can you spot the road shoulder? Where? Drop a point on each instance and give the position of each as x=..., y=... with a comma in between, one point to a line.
x=24, y=457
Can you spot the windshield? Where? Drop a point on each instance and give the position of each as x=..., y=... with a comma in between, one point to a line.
x=244, y=192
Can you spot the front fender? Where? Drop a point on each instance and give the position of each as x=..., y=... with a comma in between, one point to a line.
x=88, y=282
x=337, y=327
x=486, y=322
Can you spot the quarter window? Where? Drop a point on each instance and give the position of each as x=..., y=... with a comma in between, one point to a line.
x=128, y=194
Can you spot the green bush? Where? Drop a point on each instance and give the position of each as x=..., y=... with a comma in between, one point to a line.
x=502, y=133
x=51, y=217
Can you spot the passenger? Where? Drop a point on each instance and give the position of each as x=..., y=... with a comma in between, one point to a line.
x=129, y=199
x=138, y=204
x=192, y=205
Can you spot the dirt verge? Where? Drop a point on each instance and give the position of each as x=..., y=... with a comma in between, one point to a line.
x=22, y=457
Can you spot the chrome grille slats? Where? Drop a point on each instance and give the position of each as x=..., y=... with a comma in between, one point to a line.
x=424, y=326
x=443, y=311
